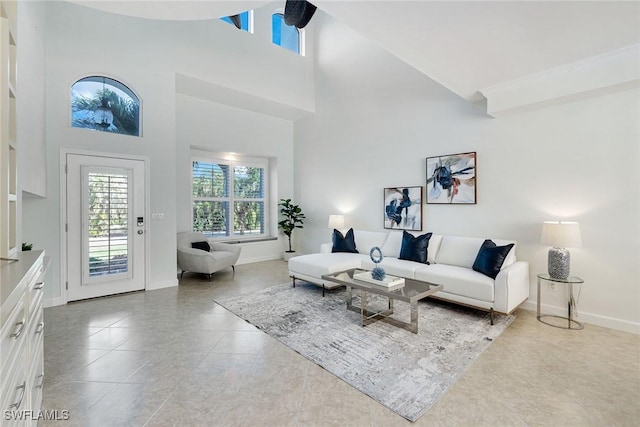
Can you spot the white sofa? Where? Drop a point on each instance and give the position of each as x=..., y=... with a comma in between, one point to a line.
x=451, y=259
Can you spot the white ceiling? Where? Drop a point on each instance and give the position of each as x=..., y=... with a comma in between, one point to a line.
x=174, y=10
x=468, y=46
x=464, y=45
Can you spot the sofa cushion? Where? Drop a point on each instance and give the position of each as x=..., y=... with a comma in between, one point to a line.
x=394, y=266
x=459, y=251
x=315, y=265
x=365, y=240
x=490, y=258
x=203, y=246
x=414, y=248
x=344, y=243
x=458, y=280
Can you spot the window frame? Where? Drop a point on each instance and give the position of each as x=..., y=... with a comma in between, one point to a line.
x=232, y=161
x=116, y=83
x=301, y=35
x=250, y=21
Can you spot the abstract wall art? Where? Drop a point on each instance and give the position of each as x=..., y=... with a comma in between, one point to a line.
x=403, y=208
x=451, y=179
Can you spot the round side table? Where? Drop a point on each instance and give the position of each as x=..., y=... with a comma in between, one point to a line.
x=571, y=323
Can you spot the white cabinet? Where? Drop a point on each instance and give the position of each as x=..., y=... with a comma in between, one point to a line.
x=8, y=132
x=21, y=339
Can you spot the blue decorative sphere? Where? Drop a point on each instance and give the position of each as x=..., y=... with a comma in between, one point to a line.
x=378, y=273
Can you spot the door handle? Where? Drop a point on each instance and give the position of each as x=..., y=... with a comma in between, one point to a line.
x=140, y=231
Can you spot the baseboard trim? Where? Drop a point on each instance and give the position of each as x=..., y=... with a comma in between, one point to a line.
x=162, y=285
x=56, y=301
x=594, y=319
x=53, y=302
x=259, y=259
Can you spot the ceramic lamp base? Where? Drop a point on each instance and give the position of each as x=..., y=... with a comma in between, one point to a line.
x=558, y=264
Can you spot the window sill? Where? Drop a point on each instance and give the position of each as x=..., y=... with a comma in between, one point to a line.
x=250, y=240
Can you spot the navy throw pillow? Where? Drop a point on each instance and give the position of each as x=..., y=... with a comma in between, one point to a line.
x=346, y=243
x=201, y=245
x=415, y=248
x=490, y=258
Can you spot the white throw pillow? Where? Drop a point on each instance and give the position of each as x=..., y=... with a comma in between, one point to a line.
x=365, y=240
x=393, y=244
x=460, y=251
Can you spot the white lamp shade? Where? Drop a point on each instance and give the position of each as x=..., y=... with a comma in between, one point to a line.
x=336, y=221
x=561, y=234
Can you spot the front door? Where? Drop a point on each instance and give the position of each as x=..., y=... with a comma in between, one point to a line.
x=105, y=224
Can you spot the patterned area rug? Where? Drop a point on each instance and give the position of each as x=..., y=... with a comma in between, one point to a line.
x=406, y=372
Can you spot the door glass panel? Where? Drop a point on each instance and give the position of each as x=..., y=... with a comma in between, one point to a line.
x=107, y=225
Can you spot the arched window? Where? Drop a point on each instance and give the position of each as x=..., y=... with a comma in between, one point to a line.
x=105, y=104
x=287, y=36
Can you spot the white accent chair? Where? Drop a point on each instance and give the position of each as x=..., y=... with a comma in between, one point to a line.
x=222, y=255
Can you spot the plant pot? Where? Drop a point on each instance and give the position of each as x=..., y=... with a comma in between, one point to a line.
x=288, y=255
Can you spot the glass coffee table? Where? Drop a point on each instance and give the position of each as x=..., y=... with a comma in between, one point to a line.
x=411, y=292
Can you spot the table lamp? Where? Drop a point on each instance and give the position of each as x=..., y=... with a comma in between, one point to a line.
x=336, y=222
x=560, y=235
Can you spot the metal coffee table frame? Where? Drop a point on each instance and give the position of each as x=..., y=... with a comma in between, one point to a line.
x=412, y=291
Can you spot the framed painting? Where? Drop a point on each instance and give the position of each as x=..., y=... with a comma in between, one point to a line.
x=403, y=208
x=451, y=179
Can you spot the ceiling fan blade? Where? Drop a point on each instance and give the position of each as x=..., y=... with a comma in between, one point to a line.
x=306, y=16
x=298, y=13
x=236, y=21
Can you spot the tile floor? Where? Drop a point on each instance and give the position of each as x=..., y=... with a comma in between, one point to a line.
x=172, y=357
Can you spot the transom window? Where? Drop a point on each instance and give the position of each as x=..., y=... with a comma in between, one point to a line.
x=286, y=36
x=229, y=197
x=242, y=21
x=104, y=104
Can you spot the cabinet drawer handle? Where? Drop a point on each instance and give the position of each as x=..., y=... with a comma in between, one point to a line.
x=17, y=333
x=38, y=286
x=19, y=402
x=41, y=381
x=40, y=328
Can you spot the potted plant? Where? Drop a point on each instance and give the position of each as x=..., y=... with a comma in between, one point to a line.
x=293, y=218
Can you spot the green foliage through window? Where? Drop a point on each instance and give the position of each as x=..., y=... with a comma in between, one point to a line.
x=104, y=104
x=228, y=204
x=108, y=223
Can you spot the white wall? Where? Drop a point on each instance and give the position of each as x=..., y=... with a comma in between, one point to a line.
x=30, y=109
x=378, y=119
x=219, y=128
x=146, y=55
x=30, y=106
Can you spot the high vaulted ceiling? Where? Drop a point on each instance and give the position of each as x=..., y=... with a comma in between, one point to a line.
x=466, y=46
x=174, y=10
